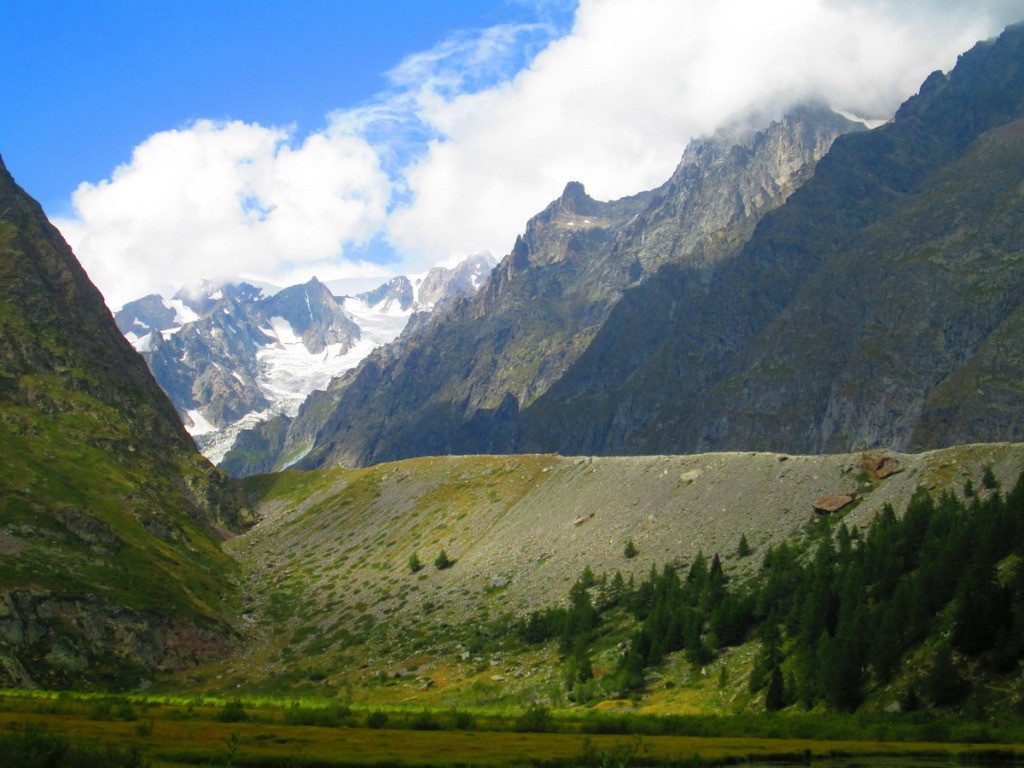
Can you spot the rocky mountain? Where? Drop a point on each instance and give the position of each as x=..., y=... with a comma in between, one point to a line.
x=439, y=285
x=458, y=384
x=881, y=306
x=110, y=520
x=877, y=305
x=230, y=356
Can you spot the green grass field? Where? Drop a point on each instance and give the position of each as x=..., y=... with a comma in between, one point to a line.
x=177, y=732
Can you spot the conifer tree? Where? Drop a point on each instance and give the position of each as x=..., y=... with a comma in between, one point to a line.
x=442, y=561
x=744, y=549
x=774, y=698
x=414, y=563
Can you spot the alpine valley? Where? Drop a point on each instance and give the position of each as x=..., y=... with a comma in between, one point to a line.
x=748, y=442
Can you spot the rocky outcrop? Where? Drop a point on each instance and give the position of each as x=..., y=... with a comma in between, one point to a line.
x=442, y=285
x=143, y=316
x=397, y=291
x=314, y=314
x=76, y=643
x=828, y=505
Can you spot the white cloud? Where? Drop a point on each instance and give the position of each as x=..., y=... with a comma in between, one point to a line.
x=481, y=132
x=223, y=200
x=613, y=104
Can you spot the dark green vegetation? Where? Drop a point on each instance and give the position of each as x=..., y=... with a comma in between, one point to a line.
x=878, y=306
x=34, y=746
x=837, y=617
x=110, y=565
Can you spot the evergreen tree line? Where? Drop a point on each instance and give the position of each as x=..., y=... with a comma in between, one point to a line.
x=834, y=614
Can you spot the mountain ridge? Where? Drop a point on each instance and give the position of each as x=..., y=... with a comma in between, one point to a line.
x=458, y=383
x=712, y=377
x=233, y=355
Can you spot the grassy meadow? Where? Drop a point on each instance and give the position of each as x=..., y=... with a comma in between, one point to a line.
x=167, y=731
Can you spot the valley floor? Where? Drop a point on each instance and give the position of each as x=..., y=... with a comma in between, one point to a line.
x=166, y=732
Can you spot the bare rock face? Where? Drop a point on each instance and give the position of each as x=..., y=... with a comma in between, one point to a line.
x=59, y=642
x=142, y=316
x=313, y=313
x=397, y=290
x=442, y=285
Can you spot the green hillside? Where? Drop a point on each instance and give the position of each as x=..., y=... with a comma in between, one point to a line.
x=109, y=520
x=347, y=593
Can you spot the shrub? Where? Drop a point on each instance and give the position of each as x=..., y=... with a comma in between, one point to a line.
x=414, y=563
x=461, y=721
x=333, y=716
x=33, y=746
x=376, y=719
x=630, y=551
x=233, y=712
x=536, y=719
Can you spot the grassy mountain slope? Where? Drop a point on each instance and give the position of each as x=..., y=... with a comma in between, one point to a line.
x=332, y=602
x=109, y=519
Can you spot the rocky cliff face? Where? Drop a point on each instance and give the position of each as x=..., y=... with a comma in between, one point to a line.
x=879, y=307
x=442, y=285
x=459, y=384
x=101, y=490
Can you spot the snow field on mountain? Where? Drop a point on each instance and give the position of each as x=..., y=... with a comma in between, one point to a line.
x=200, y=426
x=289, y=372
x=380, y=324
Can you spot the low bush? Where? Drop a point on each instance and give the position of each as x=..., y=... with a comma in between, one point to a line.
x=233, y=712
x=376, y=719
x=536, y=719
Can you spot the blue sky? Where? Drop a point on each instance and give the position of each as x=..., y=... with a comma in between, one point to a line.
x=88, y=80
x=179, y=140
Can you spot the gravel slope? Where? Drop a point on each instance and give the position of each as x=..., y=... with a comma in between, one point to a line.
x=336, y=543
